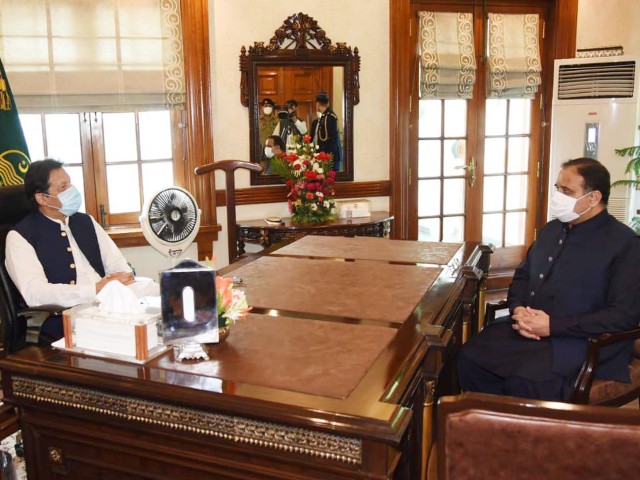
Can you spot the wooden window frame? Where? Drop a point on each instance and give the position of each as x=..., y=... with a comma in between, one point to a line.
x=198, y=133
x=402, y=42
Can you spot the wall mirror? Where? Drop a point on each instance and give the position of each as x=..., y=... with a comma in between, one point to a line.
x=300, y=63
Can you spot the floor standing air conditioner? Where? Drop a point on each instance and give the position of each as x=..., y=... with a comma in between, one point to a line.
x=595, y=111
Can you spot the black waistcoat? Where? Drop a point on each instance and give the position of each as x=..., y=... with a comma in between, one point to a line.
x=52, y=245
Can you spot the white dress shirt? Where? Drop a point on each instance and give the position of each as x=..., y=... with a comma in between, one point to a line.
x=28, y=275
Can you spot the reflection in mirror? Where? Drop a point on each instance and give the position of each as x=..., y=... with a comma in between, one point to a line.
x=298, y=101
x=300, y=84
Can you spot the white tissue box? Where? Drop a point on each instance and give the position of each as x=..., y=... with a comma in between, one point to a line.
x=133, y=335
x=354, y=208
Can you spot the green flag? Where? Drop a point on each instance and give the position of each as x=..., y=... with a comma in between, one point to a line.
x=14, y=155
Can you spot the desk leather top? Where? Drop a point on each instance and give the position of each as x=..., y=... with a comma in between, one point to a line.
x=371, y=248
x=343, y=290
x=295, y=354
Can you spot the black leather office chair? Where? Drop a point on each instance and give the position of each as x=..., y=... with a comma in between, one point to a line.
x=19, y=323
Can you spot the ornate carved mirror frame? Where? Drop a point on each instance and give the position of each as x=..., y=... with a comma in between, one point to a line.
x=300, y=42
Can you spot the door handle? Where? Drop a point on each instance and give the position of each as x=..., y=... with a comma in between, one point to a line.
x=471, y=171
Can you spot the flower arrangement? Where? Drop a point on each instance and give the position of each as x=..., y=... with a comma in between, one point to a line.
x=309, y=176
x=232, y=302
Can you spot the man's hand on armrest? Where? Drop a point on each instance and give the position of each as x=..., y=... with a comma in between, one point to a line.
x=125, y=278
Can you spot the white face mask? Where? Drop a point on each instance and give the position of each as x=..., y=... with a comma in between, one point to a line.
x=319, y=114
x=561, y=207
x=267, y=110
x=268, y=152
x=71, y=199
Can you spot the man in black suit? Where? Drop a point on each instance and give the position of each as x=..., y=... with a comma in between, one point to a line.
x=325, y=130
x=580, y=278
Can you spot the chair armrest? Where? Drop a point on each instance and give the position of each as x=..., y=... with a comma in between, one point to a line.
x=492, y=308
x=582, y=386
x=50, y=309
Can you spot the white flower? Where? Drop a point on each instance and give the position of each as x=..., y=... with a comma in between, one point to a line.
x=326, y=204
x=314, y=207
x=320, y=195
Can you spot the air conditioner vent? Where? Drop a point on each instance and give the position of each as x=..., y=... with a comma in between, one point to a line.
x=596, y=80
x=619, y=208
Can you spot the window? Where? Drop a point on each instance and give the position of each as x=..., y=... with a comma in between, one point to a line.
x=117, y=160
x=102, y=92
x=475, y=161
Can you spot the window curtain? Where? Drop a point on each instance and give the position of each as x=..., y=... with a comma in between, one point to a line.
x=93, y=55
x=514, y=56
x=447, y=55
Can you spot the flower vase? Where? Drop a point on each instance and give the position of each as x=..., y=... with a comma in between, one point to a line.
x=223, y=333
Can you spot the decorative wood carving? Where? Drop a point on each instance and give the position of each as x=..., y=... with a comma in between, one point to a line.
x=302, y=33
x=378, y=225
x=300, y=41
x=235, y=429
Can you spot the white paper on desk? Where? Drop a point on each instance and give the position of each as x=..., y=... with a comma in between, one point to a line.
x=117, y=298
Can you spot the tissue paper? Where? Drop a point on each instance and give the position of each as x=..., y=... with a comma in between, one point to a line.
x=118, y=298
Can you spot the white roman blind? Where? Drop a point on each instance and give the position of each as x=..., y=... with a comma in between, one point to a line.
x=93, y=55
x=514, y=56
x=447, y=55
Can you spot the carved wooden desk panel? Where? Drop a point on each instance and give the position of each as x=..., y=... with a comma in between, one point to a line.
x=257, y=231
x=250, y=414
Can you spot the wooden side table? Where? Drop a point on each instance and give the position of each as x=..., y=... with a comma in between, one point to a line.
x=258, y=232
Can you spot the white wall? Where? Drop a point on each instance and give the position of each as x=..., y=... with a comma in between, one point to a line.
x=147, y=262
x=359, y=23
x=609, y=22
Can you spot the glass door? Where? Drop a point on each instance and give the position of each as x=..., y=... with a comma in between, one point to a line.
x=476, y=161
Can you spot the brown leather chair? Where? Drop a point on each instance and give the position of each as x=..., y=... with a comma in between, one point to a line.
x=229, y=168
x=491, y=437
x=588, y=390
x=20, y=325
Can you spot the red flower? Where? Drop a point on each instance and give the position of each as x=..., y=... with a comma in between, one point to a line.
x=289, y=183
x=323, y=156
x=309, y=195
x=290, y=206
x=306, y=139
x=291, y=157
x=325, y=191
x=311, y=175
x=297, y=166
x=294, y=194
x=332, y=173
x=306, y=163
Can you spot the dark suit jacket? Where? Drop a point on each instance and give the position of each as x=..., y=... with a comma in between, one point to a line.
x=327, y=137
x=587, y=279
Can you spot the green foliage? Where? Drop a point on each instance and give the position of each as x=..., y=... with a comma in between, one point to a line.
x=633, y=167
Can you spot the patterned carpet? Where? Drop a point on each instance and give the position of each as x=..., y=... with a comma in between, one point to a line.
x=8, y=445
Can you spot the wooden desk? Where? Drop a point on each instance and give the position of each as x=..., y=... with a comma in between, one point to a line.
x=257, y=231
x=332, y=376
